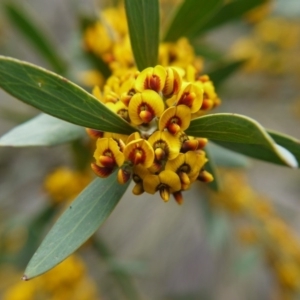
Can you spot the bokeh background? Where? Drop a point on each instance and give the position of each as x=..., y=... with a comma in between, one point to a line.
x=167, y=251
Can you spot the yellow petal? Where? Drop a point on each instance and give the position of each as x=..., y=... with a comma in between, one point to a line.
x=134, y=136
x=139, y=152
x=177, y=115
x=191, y=95
x=173, y=82
x=123, y=176
x=101, y=146
x=165, y=141
x=138, y=189
x=185, y=181
x=170, y=179
x=139, y=173
x=108, y=147
x=97, y=93
x=150, y=183
x=165, y=193
x=102, y=172
x=205, y=176
x=190, y=73
x=195, y=160
x=175, y=164
x=94, y=134
x=116, y=136
x=148, y=101
x=151, y=79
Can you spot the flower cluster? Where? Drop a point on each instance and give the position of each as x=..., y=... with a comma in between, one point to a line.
x=108, y=40
x=160, y=102
x=271, y=47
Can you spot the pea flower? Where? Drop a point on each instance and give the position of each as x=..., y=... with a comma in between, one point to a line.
x=160, y=157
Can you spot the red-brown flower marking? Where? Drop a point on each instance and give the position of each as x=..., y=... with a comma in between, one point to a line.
x=139, y=152
x=175, y=119
x=151, y=79
x=144, y=106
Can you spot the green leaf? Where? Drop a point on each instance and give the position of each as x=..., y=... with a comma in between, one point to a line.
x=24, y=22
x=229, y=12
x=288, y=142
x=190, y=18
x=143, y=24
x=222, y=72
x=42, y=130
x=207, y=52
x=57, y=96
x=241, y=134
x=210, y=166
x=80, y=220
x=225, y=158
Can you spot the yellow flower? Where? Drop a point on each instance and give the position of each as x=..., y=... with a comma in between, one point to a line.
x=144, y=106
x=173, y=82
x=107, y=156
x=139, y=152
x=168, y=144
x=210, y=97
x=97, y=40
x=192, y=144
x=179, y=54
x=21, y=291
x=120, y=109
x=187, y=166
x=142, y=99
x=191, y=95
x=64, y=184
x=151, y=79
x=175, y=119
x=166, y=182
x=91, y=78
x=138, y=174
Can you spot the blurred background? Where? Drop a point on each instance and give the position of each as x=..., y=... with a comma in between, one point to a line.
x=241, y=243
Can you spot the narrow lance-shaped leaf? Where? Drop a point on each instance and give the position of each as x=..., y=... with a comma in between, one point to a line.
x=229, y=12
x=143, y=24
x=221, y=73
x=288, y=142
x=241, y=134
x=42, y=130
x=80, y=220
x=57, y=96
x=207, y=51
x=190, y=17
x=33, y=32
x=226, y=158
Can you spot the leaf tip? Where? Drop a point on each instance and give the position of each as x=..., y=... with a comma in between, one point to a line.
x=289, y=158
x=25, y=278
